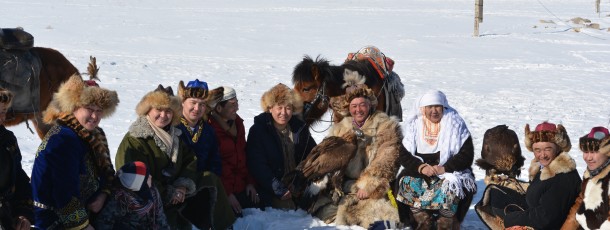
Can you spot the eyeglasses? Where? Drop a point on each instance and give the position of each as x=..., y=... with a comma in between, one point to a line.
x=197, y=84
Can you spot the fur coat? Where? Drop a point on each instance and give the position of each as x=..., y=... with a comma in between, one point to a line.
x=372, y=168
x=551, y=193
x=590, y=211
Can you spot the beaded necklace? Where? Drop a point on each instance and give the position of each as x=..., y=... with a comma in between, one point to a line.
x=198, y=127
x=431, y=131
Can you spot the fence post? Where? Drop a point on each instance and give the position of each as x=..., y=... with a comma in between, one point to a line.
x=478, y=15
x=597, y=6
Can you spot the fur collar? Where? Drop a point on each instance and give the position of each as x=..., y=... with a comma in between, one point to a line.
x=561, y=164
x=141, y=129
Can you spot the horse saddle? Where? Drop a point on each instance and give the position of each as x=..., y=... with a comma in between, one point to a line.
x=19, y=73
x=16, y=39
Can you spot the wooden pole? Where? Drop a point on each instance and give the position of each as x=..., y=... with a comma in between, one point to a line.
x=597, y=6
x=478, y=16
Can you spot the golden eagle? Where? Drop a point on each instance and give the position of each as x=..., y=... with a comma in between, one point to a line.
x=326, y=163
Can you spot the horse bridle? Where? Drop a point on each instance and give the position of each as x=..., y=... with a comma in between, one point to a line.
x=320, y=96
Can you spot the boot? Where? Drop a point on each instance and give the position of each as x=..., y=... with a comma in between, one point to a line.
x=422, y=219
x=447, y=223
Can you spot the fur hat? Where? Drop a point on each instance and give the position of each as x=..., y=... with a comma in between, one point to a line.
x=598, y=139
x=281, y=94
x=196, y=89
x=548, y=132
x=215, y=96
x=341, y=103
x=75, y=93
x=161, y=98
x=6, y=97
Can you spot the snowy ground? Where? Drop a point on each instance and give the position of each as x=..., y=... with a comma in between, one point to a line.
x=522, y=69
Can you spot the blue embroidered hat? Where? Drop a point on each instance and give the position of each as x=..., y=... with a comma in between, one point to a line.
x=196, y=89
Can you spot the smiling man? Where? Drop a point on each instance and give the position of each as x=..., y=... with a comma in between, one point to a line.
x=554, y=183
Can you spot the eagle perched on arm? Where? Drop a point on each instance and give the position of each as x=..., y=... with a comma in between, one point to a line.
x=327, y=162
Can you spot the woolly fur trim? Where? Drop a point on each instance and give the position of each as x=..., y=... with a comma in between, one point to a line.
x=563, y=163
x=186, y=92
x=559, y=137
x=73, y=94
x=160, y=100
x=282, y=94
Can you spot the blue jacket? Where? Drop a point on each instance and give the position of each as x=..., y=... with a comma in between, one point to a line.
x=64, y=179
x=206, y=147
x=264, y=154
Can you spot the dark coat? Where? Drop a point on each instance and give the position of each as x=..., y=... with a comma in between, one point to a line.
x=461, y=161
x=206, y=147
x=551, y=193
x=15, y=188
x=235, y=176
x=264, y=154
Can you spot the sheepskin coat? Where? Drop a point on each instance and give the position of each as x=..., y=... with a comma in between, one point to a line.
x=141, y=144
x=552, y=191
x=15, y=189
x=372, y=168
x=591, y=210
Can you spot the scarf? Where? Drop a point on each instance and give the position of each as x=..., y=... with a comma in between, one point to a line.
x=165, y=137
x=99, y=146
x=287, y=148
x=596, y=171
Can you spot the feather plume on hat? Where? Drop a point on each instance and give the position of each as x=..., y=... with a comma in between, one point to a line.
x=76, y=92
x=547, y=132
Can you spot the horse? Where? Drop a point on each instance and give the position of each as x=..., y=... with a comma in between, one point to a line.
x=317, y=82
x=54, y=70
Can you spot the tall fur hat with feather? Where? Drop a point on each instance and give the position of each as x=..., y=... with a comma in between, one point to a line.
x=548, y=132
x=161, y=98
x=598, y=139
x=76, y=92
x=281, y=94
x=6, y=97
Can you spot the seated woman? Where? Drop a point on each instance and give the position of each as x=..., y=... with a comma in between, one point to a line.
x=553, y=188
x=277, y=142
x=134, y=202
x=437, y=182
x=154, y=140
x=15, y=190
x=590, y=209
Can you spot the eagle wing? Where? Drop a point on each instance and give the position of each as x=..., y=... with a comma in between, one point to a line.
x=332, y=154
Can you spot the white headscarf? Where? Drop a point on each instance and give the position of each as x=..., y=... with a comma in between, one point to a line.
x=452, y=136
